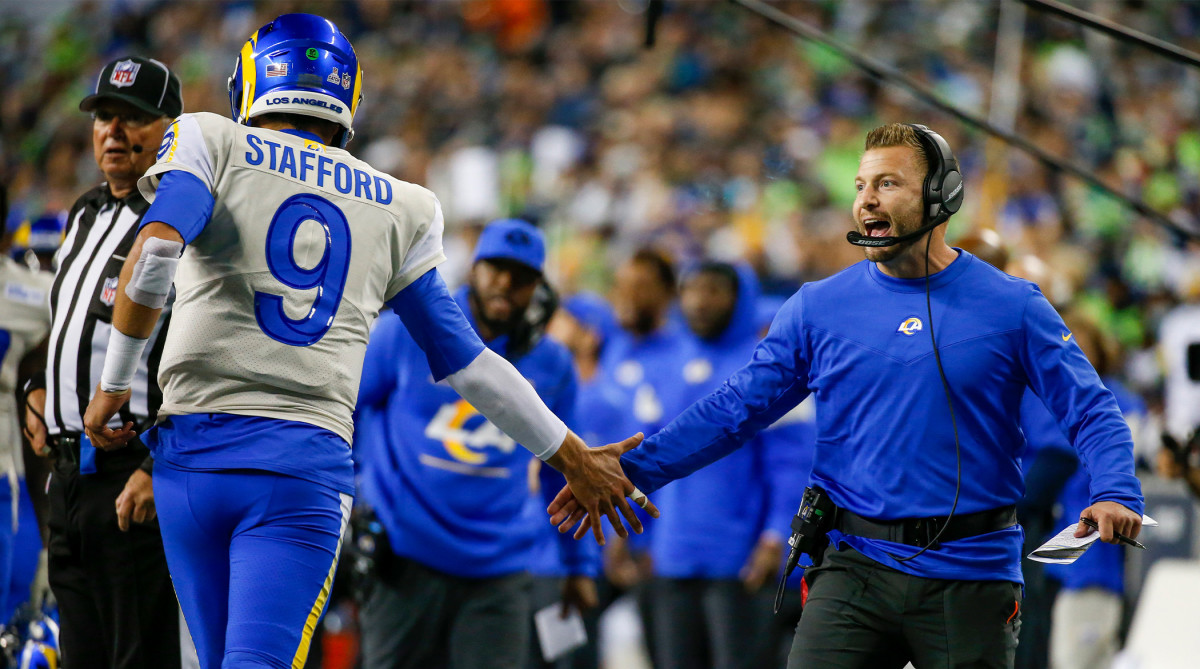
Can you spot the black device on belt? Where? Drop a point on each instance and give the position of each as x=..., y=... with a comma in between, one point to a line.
x=919, y=532
x=66, y=448
x=810, y=526
x=66, y=445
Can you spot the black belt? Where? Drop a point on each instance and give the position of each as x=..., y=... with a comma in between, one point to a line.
x=920, y=532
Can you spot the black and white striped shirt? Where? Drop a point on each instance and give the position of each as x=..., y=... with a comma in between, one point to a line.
x=100, y=231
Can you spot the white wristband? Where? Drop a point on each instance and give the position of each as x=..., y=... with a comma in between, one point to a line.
x=121, y=361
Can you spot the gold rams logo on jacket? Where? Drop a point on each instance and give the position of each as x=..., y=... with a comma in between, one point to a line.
x=910, y=326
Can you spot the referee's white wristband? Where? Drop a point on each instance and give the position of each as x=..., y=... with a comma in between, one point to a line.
x=121, y=361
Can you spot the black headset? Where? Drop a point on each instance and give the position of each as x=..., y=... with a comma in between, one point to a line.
x=943, y=189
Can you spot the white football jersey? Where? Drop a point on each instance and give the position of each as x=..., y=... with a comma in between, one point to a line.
x=276, y=296
x=24, y=322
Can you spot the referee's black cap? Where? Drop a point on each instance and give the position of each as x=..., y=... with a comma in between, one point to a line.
x=144, y=83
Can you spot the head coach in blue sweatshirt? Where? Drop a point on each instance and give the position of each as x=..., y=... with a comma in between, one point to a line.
x=451, y=586
x=900, y=448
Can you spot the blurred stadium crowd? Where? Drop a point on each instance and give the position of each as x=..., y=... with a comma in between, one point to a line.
x=730, y=140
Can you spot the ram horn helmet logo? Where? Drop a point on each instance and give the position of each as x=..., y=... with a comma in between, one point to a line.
x=910, y=326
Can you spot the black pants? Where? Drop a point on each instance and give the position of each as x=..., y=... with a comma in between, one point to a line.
x=116, y=603
x=414, y=617
x=707, y=623
x=863, y=615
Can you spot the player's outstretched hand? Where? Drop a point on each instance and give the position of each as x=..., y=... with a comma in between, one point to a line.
x=596, y=486
x=95, y=421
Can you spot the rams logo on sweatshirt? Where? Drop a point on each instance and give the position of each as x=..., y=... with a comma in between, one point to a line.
x=465, y=433
x=910, y=326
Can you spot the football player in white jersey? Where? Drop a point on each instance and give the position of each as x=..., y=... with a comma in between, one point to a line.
x=290, y=246
x=24, y=323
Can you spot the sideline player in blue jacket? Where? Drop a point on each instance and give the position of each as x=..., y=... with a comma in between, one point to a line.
x=584, y=323
x=889, y=454
x=443, y=596
x=640, y=355
x=292, y=247
x=1087, y=611
x=640, y=360
x=709, y=611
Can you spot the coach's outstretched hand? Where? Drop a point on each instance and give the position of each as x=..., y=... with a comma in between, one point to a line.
x=95, y=422
x=596, y=486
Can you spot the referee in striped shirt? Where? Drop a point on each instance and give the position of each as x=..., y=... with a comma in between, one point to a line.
x=106, y=563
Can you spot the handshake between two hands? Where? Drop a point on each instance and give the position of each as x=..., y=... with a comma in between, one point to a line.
x=596, y=487
x=596, y=484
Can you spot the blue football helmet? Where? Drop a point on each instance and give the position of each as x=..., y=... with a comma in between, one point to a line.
x=298, y=64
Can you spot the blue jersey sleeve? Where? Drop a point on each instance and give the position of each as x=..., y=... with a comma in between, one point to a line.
x=183, y=202
x=774, y=381
x=1086, y=411
x=439, y=327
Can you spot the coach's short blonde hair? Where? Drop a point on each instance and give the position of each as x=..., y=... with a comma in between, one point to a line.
x=898, y=134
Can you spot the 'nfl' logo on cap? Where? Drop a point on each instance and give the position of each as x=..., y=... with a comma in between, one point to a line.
x=124, y=73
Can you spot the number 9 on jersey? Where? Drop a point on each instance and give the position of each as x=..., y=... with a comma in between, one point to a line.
x=328, y=276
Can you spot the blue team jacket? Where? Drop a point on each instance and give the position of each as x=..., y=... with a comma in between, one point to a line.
x=858, y=341
x=449, y=487
x=712, y=519
x=643, y=368
x=1048, y=459
x=640, y=370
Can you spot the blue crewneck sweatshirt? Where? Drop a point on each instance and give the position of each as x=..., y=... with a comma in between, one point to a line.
x=858, y=341
x=449, y=487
